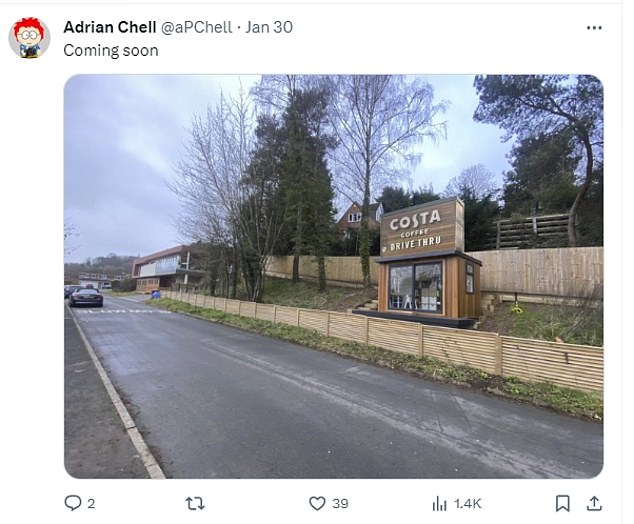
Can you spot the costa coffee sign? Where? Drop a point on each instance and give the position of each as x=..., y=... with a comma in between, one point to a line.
x=423, y=229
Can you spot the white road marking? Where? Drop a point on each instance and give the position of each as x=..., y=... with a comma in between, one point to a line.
x=118, y=311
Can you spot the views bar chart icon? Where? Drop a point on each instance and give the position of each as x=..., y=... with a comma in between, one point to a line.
x=438, y=506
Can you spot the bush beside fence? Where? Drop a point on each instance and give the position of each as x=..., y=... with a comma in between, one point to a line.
x=568, y=365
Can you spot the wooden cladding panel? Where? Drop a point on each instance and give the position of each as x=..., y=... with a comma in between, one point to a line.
x=220, y=303
x=396, y=336
x=247, y=309
x=383, y=286
x=567, y=365
x=451, y=288
x=233, y=307
x=208, y=302
x=468, y=348
x=348, y=327
x=565, y=272
x=339, y=269
x=414, y=231
x=317, y=320
x=468, y=303
x=286, y=315
x=266, y=312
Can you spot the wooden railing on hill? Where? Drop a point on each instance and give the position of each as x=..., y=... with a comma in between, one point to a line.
x=531, y=232
x=568, y=365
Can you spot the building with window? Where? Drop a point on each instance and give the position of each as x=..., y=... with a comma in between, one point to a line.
x=425, y=275
x=351, y=219
x=95, y=280
x=177, y=268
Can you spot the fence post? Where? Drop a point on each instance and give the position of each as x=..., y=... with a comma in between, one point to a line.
x=327, y=323
x=367, y=331
x=239, y=308
x=298, y=313
x=255, y=313
x=498, y=355
x=421, y=350
x=275, y=313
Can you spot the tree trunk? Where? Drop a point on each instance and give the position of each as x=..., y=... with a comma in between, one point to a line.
x=321, y=268
x=295, y=267
x=233, y=286
x=299, y=241
x=574, y=209
x=364, y=240
x=364, y=233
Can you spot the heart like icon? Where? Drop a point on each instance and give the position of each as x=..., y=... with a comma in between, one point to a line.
x=317, y=502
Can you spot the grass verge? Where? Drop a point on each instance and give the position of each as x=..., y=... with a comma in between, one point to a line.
x=564, y=400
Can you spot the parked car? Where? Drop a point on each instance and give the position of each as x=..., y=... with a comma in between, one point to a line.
x=86, y=297
x=69, y=290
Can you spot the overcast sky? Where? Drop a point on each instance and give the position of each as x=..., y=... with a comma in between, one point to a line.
x=123, y=136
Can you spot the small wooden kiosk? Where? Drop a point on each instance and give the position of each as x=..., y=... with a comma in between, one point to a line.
x=425, y=275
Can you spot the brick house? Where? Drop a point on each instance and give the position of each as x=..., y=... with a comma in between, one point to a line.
x=351, y=219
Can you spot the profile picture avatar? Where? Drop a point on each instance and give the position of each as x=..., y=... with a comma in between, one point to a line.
x=29, y=37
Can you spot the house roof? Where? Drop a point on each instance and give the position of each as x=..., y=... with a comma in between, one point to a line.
x=162, y=254
x=373, y=209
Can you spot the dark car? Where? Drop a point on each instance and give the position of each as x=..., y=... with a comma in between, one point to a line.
x=69, y=290
x=86, y=297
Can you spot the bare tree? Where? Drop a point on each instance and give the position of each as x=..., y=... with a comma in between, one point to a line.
x=476, y=179
x=220, y=203
x=274, y=92
x=378, y=122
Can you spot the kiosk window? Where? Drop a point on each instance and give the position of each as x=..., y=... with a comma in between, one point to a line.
x=416, y=287
x=469, y=286
x=400, y=287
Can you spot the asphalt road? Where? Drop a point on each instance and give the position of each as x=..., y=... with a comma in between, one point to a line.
x=215, y=402
x=96, y=443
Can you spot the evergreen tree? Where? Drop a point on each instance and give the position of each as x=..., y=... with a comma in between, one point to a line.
x=305, y=182
x=543, y=177
x=480, y=214
x=394, y=198
x=549, y=105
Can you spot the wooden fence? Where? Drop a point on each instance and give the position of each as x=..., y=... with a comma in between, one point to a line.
x=569, y=365
x=536, y=231
x=338, y=269
x=564, y=272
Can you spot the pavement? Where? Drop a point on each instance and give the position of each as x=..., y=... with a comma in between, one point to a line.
x=96, y=443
